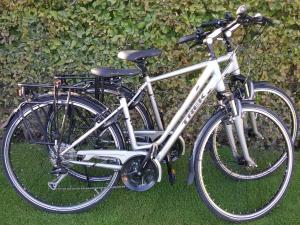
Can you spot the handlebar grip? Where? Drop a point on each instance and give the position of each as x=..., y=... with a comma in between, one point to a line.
x=267, y=21
x=216, y=23
x=187, y=38
x=211, y=23
x=259, y=19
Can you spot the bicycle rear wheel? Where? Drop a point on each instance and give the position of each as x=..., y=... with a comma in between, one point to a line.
x=28, y=161
x=277, y=100
x=244, y=199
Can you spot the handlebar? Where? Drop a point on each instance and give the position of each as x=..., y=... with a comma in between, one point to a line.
x=256, y=19
x=227, y=23
x=216, y=23
x=198, y=37
x=187, y=38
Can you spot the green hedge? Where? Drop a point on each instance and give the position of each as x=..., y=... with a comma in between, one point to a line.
x=39, y=38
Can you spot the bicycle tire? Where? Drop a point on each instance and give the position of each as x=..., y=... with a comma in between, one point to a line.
x=33, y=186
x=218, y=204
x=265, y=87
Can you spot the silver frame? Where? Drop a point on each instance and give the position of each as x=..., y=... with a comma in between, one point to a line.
x=210, y=79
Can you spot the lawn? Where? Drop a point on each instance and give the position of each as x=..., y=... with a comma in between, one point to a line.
x=163, y=204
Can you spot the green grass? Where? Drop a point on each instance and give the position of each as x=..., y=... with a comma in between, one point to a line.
x=163, y=204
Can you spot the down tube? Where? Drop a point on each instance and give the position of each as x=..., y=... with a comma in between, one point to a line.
x=188, y=101
x=188, y=116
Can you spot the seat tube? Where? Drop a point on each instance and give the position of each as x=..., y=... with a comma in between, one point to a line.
x=123, y=103
x=154, y=104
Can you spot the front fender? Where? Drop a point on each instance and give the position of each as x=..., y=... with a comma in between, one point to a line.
x=199, y=138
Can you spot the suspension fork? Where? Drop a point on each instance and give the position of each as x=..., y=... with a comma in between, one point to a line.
x=237, y=117
x=228, y=125
x=250, y=95
x=229, y=133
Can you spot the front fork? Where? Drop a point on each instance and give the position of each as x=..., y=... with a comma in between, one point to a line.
x=237, y=119
x=250, y=95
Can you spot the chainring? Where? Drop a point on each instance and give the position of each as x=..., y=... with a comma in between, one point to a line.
x=139, y=180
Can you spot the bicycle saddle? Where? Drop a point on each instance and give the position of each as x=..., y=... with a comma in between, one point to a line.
x=135, y=55
x=110, y=72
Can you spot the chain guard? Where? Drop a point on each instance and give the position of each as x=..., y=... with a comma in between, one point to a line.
x=139, y=180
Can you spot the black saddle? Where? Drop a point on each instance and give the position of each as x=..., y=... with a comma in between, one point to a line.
x=135, y=55
x=110, y=72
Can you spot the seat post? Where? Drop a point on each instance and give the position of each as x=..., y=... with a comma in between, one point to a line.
x=142, y=65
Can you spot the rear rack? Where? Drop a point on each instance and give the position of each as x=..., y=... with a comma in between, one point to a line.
x=48, y=86
x=78, y=83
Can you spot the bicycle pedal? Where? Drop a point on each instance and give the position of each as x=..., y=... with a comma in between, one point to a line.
x=172, y=176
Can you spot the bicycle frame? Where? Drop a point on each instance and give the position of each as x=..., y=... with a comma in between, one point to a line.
x=211, y=79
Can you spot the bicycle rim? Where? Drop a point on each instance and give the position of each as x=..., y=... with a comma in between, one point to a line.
x=237, y=199
x=28, y=165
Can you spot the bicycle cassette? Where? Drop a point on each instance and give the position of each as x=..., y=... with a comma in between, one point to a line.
x=137, y=180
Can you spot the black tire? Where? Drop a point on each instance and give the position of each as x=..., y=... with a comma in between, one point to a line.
x=31, y=183
x=292, y=118
x=231, y=199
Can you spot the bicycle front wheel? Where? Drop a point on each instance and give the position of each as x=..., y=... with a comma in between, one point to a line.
x=244, y=199
x=29, y=157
